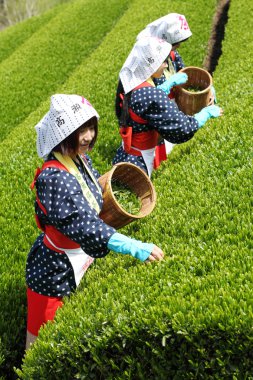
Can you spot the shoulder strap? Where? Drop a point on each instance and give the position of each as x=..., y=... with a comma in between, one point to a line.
x=172, y=55
x=127, y=112
x=69, y=164
x=47, y=164
x=147, y=83
x=143, y=84
x=133, y=115
x=53, y=164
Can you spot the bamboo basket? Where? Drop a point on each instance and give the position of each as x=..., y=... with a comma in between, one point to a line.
x=138, y=182
x=192, y=102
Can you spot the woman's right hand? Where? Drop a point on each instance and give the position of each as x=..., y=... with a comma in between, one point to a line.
x=206, y=113
x=146, y=252
x=156, y=255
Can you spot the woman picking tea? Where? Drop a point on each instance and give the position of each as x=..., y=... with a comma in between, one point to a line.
x=145, y=112
x=174, y=29
x=67, y=206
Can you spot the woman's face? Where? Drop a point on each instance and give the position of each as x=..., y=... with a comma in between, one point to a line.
x=160, y=71
x=86, y=135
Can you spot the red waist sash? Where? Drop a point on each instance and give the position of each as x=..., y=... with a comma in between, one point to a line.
x=57, y=237
x=141, y=140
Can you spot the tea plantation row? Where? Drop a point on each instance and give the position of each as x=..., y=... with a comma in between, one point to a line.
x=46, y=59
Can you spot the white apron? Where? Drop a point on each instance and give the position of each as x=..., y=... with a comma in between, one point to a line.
x=148, y=156
x=79, y=260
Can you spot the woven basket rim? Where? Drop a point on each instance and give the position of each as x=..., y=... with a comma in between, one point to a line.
x=207, y=89
x=150, y=184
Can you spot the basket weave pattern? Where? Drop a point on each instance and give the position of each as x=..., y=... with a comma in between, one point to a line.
x=138, y=182
x=192, y=102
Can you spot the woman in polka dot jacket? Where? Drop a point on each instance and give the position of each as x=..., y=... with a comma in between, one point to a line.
x=67, y=206
x=145, y=112
x=174, y=29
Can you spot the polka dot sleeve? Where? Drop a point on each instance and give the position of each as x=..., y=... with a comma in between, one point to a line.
x=163, y=115
x=70, y=212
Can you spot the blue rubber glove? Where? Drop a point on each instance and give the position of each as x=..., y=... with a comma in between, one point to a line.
x=122, y=244
x=206, y=113
x=174, y=80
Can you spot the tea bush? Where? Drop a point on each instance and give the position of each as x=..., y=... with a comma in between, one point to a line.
x=12, y=37
x=48, y=57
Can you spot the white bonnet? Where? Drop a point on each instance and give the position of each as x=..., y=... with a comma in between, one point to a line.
x=172, y=28
x=144, y=60
x=66, y=114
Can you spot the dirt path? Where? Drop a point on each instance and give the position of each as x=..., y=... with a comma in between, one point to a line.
x=218, y=31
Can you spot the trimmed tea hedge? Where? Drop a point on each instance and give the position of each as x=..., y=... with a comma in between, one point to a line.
x=14, y=36
x=48, y=57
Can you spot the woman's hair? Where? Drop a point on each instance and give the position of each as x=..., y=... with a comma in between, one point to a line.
x=69, y=146
x=118, y=101
x=121, y=104
x=179, y=42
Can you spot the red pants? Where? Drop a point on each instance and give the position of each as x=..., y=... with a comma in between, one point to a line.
x=160, y=155
x=40, y=310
